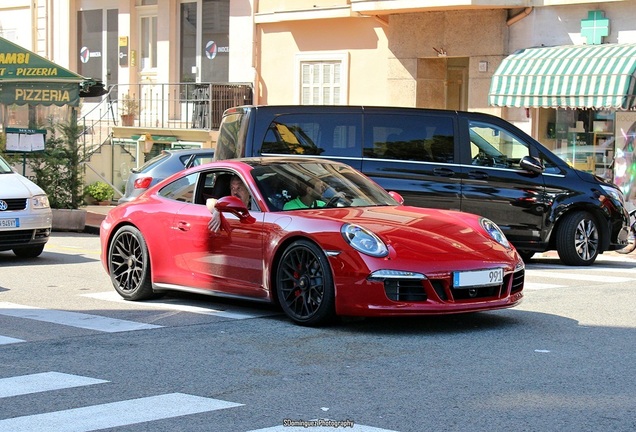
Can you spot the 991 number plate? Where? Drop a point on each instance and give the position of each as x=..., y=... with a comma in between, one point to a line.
x=470, y=279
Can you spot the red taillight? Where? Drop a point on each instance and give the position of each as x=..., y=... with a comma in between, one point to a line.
x=142, y=183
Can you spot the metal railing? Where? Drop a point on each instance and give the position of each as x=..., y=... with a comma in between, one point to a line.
x=177, y=106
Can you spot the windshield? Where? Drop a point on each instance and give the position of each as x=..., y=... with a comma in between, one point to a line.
x=300, y=185
x=5, y=168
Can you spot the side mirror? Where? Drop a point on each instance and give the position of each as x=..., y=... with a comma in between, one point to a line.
x=396, y=196
x=234, y=205
x=531, y=164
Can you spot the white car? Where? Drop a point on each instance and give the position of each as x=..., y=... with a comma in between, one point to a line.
x=25, y=214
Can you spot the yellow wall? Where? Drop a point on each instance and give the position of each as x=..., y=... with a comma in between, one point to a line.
x=364, y=40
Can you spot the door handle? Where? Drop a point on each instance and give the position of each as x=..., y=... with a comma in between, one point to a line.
x=443, y=172
x=478, y=175
x=183, y=226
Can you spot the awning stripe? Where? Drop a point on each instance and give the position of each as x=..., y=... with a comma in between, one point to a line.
x=584, y=76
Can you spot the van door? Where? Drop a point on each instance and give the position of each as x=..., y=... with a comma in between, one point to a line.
x=413, y=153
x=494, y=185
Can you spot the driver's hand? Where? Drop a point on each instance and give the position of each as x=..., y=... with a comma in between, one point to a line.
x=215, y=222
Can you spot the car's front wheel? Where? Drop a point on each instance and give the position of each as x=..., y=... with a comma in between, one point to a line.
x=304, y=284
x=29, y=252
x=129, y=264
x=578, y=239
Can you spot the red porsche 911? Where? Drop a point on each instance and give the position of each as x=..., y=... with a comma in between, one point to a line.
x=314, y=236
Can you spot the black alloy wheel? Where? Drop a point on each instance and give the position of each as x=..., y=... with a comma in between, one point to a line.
x=578, y=239
x=128, y=264
x=304, y=284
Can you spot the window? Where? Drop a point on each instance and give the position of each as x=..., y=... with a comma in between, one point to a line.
x=148, y=42
x=494, y=147
x=322, y=78
x=313, y=134
x=410, y=137
x=181, y=189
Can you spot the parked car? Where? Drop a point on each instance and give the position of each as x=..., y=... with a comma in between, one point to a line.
x=359, y=252
x=160, y=167
x=467, y=161
x=25, y=214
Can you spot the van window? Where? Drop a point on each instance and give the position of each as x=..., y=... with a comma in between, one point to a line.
x=313, y=134
x=495, y=147
x=423, y=138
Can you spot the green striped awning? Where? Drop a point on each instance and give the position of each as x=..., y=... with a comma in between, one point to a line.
x=571, y=76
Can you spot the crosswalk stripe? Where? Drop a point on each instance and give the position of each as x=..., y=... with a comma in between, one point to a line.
x=539, y=286
x=41, y=382
x=173, y=305
x=320, y=425
x=9, y=340
x=581, y=277
x=73, y=319
x=115, y=414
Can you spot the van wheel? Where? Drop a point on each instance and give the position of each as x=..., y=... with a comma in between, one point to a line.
x=525, y=255
x=577, y=240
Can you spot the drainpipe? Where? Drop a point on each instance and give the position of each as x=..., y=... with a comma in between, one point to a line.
x=519, y=16
x=255, y=55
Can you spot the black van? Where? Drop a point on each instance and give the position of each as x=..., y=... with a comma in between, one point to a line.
x=466, y=161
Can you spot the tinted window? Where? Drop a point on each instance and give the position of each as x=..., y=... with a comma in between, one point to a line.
x=231, y=143
x=495, y=147
x=409, y=137
x=313, y=134
x=181, y=189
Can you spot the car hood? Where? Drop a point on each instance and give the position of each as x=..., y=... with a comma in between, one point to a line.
x=14, y=185
x=414, y=229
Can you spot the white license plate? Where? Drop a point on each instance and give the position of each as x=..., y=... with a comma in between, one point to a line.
x=467, y=279
x=9, y=223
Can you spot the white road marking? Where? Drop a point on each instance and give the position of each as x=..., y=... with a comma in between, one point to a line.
x=581, y=277
x=116, y=414
x=72, y=319
x=178, y=305
x=308, y=426
x=41, y=382
x=9, y=340
x=539, y=286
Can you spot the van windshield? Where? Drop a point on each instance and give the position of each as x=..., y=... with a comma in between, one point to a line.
x=230, y=142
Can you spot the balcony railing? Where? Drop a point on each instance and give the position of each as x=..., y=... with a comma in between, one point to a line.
x=173, y=106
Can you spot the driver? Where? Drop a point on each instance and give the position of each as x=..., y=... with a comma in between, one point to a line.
x=237, y=189
x=309, y=197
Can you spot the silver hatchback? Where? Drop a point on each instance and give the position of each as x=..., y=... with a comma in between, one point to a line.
x=162, y=166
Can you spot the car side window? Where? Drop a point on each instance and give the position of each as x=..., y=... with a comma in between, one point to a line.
x=181, y=189
x=313, y=135
x=492, y=146
x=424, y=138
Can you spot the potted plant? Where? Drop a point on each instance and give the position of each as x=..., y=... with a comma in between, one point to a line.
x=58, y=171
x=100, y=192
x=129, y=107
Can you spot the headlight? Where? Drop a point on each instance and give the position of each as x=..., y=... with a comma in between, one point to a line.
x=494, y=232
x=364, y=240
x=614, y=193
x=40, y=202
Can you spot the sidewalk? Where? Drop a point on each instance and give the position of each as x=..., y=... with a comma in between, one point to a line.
x=95, y=214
